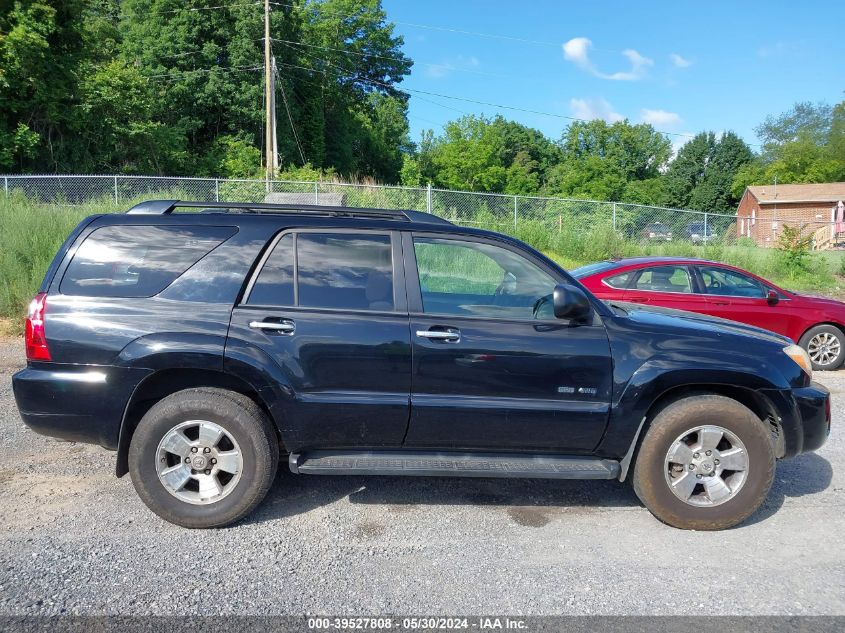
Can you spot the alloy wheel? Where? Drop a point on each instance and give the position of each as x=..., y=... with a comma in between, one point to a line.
x=199, y=462
x=824, y=348
x=706, y=466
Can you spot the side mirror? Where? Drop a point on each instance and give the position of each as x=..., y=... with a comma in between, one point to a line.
x=772, y=297
x=571, y=303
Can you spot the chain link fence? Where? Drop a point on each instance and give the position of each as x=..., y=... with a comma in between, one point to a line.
x=520, y=215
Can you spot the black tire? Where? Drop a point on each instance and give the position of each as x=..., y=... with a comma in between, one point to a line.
x=813, y=332
x=241, y=418
x=650, y=479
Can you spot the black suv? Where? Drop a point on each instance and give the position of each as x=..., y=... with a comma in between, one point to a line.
x=201, y=346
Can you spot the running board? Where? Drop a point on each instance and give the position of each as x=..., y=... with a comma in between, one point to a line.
x=451, y=464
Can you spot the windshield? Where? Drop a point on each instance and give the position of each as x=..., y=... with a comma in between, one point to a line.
x=591, y=269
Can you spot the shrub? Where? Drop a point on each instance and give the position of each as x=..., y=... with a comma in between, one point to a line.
x=793, y=249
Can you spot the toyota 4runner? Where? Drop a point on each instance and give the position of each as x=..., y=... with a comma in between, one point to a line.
x=202, y=346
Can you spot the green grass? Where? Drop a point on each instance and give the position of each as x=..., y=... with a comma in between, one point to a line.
x=577, y=247
x=30, y=234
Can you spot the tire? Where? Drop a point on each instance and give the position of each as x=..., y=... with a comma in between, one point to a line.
x=707, y=508
x=819, y=336
x=219, y=493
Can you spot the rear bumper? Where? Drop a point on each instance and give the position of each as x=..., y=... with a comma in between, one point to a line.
x=80, y=403
x=804, y=416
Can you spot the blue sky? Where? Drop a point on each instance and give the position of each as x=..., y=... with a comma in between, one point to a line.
x=682, y=66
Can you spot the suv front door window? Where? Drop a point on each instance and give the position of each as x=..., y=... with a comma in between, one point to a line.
x=478, y=279
x=492, y=367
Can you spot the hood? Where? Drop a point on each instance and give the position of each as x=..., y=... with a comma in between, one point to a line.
x=671, y=318
x=818, y=300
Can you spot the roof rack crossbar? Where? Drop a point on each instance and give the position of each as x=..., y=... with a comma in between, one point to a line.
x=165, y=207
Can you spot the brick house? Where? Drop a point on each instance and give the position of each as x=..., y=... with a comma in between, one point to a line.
x=764, y=209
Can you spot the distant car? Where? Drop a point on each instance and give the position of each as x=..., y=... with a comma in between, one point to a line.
x=699, y=232
x=657, y=232
x=815, y=323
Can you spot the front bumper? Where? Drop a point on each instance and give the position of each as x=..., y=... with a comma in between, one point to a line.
x=803, y=415
x=80, y=403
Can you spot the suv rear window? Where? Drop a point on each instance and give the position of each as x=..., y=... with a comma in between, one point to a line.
x=345, y=271
x=138, y=261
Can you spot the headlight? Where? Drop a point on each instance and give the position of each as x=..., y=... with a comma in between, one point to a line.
x=801, y=358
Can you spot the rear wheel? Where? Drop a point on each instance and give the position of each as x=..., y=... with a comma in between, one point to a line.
x=203, y=458
x=706, y=463
x=826, y=346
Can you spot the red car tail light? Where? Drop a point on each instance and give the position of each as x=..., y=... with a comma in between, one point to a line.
x=36, y=340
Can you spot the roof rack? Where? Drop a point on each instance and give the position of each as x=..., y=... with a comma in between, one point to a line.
x=165, y=207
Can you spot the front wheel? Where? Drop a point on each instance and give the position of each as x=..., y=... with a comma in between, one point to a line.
x=203, y=458
x=706, y=463
x=825, y=345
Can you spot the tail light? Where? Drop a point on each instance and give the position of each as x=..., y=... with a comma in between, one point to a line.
x=36, y=340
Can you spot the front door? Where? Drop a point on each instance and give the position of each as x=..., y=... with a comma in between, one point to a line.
x=328, y=309
x=492, y=367
x=733, y=295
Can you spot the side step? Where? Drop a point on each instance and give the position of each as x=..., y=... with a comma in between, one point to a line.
x=451, y=464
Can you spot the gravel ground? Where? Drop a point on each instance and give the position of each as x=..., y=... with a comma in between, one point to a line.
x=76, y=540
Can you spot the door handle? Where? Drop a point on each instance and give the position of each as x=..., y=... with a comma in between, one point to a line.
x=285, y=326
x=451, y=335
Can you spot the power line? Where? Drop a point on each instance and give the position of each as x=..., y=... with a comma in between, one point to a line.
x=436, y=28
x=448, y=67
x=195, y=9
x=182, y=73
x=410, y=91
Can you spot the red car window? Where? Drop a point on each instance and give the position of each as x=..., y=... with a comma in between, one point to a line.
x=664, y=279
x=721, y=281
x=620, y=281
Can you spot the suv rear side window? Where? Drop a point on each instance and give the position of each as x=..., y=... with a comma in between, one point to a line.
x=346, y=271
x=138, y=261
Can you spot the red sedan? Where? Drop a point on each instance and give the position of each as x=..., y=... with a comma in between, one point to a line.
x=815, y=323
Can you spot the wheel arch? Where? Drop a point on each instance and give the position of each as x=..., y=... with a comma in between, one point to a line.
x=165, y=382
x=752, y=399
x=838, y=326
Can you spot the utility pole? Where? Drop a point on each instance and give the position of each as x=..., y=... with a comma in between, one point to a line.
x=269, y=115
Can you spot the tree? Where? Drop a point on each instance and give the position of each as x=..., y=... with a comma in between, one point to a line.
x=805, y=144
x=41, y=49
x=599, y=159
x=155, y=86
x=804, y=121
x=701, y=175
x=482, y=154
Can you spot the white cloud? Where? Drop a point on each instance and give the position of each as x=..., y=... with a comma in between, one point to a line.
x=577, y=51
x=438, y=71
x=680, y=62
x=660, y=118
x=590, y=109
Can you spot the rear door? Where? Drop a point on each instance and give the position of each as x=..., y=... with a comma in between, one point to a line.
x=667, y=285
x=328, y=308
x=492, y=367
